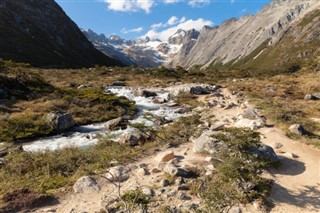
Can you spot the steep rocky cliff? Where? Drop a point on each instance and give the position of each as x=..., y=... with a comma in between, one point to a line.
x=237, y=38
x=40, y=33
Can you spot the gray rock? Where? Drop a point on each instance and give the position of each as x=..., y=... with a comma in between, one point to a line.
x=183, y=196
x=119, y=84
x=234, y=209
x=117, y=174
x=61, y=121
x=265, y=151
x=84, y=86
x=148, y=192
x=85, y=185
x=297, y=129
x=164, y=183
x=310, y=97
x=148, y=94
x=207, y=143
x=200, y=90
x=134, y=138
x=183, y=188
x=159, y=100
x=114, y=123
x=142, y=171
x=316, y=95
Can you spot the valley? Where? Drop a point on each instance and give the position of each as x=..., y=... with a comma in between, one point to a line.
x=185, y=117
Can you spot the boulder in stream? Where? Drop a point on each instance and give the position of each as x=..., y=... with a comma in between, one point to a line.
x=61, y=121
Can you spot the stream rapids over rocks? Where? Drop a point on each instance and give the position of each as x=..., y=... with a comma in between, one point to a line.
x=157, y=102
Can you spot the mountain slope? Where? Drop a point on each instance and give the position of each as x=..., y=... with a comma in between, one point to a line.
x=237, y=38
x=40, y=33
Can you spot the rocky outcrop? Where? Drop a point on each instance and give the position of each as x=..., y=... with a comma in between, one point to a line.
x=40, y=33
x=61, y=121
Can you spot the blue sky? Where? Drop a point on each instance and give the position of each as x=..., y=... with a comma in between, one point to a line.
x=155, y=18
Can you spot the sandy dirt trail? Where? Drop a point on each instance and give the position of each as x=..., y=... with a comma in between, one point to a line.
x=297, y=181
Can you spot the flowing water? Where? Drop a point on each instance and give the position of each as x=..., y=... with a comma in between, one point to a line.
x=84, y=136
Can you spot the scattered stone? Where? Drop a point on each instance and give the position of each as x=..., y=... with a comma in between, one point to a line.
x=199, y=90
x=155, y=170
x=117, y=174
x=289, y=155
x=217, y=126
x=143, y=165
x=172, y=104
x=265, y=151
x=317, y=95
x=164, y=183
x=183, y=188
x=234, y=209
x=208, y=159
x=85, y=185
x=114, y=162
x=179, y=181
x=82, y=86
x=171, y=193
x=134, y=139
x=148, y=94
x=231, y=105
x=119, y=84
x=61, y=121
x=2, y=162
x=114, y=123
x=159, y=100
x=297, y=129
x=165, y=156
x=277, y=145
x=183, y=196
x=207, y=143
x=148, y=192
x=142, y=171
x=312, y=97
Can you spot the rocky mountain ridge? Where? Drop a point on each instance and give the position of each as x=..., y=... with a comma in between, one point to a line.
x=144, y=52
x=40, y=33
x=237, y=38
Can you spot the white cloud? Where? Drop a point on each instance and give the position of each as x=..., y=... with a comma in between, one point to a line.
x=130, y=5
x=135, y=30
x=173, y=20
x=198, y=3
x=171, y=1
x=183, y=23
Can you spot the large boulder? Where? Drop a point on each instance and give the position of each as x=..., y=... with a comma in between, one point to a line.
x=207, y=143
x=114, y=123
x=250, y=119
x=85, y=185
x=148, y=94
x=61, y=121
x=200, y=90
x=133, y=138
x=117, y=174
x=297, y=129
x=265, y=151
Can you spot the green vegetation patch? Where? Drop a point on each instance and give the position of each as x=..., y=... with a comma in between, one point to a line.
x=236, y=178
